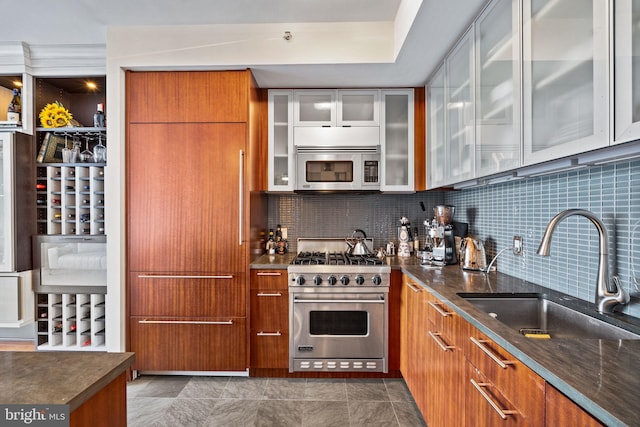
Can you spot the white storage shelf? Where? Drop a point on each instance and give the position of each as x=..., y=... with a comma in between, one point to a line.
x=71, y=322
x=71, y=199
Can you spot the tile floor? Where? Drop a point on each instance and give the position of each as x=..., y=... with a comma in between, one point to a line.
x=178, y=401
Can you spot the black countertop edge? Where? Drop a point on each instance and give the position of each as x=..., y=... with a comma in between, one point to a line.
x=557, y=360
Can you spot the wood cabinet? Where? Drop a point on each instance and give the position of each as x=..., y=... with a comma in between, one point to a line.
x=560, y=410
x=269, y=332
x=506, y=376
x=444, y=364
x=189, y=195
x=412, y=360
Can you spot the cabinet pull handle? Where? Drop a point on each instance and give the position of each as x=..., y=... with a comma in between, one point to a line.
x=187, y=322
x=480, y=343
x=502, y=412
x=170, y=276
x=241, y=198
x=266, y=294
x=438, y=340
x=268, y=273
x=438, y=309
x=413, y=288
x=269, y=334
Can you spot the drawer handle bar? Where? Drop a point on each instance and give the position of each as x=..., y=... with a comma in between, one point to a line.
x=269, y=334
x=161, y=276
x=413, y=288
x=438, y=309
x=438, y=340
x=480, y=343
x=347, y=301
x=265, y=294
x=264, y=273
x=186, y=322
x=502, y=412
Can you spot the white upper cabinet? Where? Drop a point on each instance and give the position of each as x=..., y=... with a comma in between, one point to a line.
x=281, y=166
x=436, y=142
x=358, y=108
x=627, y=70
x=565, y=78
x=337, y=108
x=397, y=141
x=497, y=83
x=459, y=113
x=315, y=108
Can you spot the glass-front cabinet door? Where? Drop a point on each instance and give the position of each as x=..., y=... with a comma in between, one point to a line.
x=627, y=70
x=281, y=164
x=460, y=111
x=497, y=93
x=6, y=204
x=358, y=108
x=315, y=108
x=565, y=78
x=436, y=143
x=397, y=144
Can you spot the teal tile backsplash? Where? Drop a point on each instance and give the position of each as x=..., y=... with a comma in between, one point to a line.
x=495, y=214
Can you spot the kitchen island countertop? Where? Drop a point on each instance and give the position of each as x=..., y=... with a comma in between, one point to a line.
x=58, y=377
x=599, y=375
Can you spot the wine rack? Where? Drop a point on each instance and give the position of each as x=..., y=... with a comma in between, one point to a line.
x=71, y=322
x=70, y=199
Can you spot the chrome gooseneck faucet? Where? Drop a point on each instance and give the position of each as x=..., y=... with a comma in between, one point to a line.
x=608, y=294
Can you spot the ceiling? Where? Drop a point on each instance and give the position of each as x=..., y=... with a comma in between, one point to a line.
x=436, y=26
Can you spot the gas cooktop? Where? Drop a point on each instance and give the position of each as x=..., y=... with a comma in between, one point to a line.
x=334, y=258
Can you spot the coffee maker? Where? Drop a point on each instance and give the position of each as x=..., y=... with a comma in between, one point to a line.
x=441, y=237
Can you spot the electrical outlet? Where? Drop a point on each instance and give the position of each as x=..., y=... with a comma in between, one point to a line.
x=517, y=245
x=284, y=233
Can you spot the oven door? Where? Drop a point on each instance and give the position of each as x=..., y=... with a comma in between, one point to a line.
x=338, y=325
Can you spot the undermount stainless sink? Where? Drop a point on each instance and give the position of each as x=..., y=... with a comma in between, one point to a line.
x=533, y=315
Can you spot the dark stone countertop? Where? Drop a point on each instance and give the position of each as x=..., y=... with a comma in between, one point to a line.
x=57, y=377
x=602, y=376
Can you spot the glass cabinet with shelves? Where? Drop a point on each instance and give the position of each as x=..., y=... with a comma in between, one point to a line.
x=281, y=166
x=349, y=107
x=565, y=78
x=459, y=119
x=627, y=71
x=497, y=83
x=397, y=141
x=436, y=142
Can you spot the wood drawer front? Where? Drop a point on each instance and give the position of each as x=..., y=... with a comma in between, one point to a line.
x=441, y=316
x=270, y=310
x=269, y=279
x=523, y=387
x=182, y=296
x=269, y=349
x=478, y=410
x=189, y=344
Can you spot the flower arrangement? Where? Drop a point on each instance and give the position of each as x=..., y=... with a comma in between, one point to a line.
x=54, y=115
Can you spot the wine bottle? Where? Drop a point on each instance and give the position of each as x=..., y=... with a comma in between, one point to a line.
x=15, y=107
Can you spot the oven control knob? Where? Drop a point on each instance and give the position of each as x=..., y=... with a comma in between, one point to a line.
x=344, y=280
x=377, y=280
x=317, y=280
x=300, y=280
x=359, y=280
x=332, y=280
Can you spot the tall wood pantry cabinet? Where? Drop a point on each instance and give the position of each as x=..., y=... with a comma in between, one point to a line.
x=191, y=171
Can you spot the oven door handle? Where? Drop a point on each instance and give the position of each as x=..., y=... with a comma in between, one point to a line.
x=347, y=301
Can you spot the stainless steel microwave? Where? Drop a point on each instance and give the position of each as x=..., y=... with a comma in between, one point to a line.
x=327, y=170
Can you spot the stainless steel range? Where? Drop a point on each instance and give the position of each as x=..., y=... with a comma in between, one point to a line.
x=338, y=309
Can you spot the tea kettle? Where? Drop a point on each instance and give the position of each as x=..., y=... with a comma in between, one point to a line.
x=357, y=245
x=472, y=254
